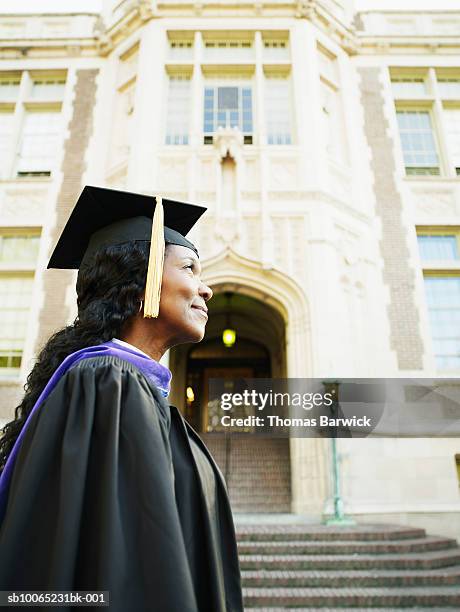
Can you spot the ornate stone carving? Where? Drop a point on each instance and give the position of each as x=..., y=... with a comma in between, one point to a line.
x=22, y=205
x=434, y=203
x=228, y=142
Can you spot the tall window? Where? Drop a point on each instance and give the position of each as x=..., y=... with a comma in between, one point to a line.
x=30, y=125
x=443, y=299
x=436, y=247
x=440, y=246
x=18, y=254
x=418, y=142
x=178, y=111
x=428, y=112
x=278, y=111
x=38, y=143
x=452, y=122
x=228, y=106
x=6, y=132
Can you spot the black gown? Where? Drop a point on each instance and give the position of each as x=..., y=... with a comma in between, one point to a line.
x=113, y=491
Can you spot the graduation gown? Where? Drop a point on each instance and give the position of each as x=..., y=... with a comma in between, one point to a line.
x=112, y=490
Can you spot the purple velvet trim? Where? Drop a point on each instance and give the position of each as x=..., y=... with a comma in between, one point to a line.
x=157, y=373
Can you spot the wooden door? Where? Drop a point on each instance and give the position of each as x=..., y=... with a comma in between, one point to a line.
x=228, y=374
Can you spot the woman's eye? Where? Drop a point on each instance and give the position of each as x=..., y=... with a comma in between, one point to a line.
x=190, y=267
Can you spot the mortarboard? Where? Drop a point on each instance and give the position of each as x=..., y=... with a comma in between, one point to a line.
x=104, y=217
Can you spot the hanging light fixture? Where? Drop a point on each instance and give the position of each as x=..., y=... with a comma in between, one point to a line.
x=190, y=395
x=229, y=334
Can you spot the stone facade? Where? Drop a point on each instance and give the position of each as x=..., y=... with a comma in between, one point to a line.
x=312, y=219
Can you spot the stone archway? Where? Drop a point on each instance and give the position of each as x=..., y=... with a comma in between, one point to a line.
x=281, y=296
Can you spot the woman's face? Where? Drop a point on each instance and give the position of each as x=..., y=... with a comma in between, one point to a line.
x=183, y=310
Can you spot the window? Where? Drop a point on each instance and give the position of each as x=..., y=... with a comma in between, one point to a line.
x=18, y=256
x=452, y=123
x=417, y=142
x=438, y=247
x=48, y=89
x=181, y=49
x=9, y=89
x=275, y=44
x=278, y=111
x=430, y=126
x=228, y=44
x=15, y=300
x=409, y=87
x=21, y=248
x=30, y=125
x=6, y=132
x=443, y=299
x=449, y=88
x=276, y=49
x=235, y=50
x=178, y=111
x=38, y=143
x=434, y=247
x=228, y=106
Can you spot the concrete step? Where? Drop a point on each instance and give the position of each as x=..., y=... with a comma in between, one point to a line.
x=347, y=547
x=418, y=560
x=283, y=532
x=345, y=597
x=343, y=578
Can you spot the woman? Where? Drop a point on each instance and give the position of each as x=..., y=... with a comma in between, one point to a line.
x=104, y=486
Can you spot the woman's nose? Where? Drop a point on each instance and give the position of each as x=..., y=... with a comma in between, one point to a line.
x=205, y=292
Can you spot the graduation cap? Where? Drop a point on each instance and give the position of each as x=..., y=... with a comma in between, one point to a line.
x=106, y=217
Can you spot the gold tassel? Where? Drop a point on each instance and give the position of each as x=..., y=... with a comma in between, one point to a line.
x=156, y=260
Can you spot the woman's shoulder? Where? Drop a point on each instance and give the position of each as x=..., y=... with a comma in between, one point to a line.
x=102, y=363
x=109, y=380
x=112, y=370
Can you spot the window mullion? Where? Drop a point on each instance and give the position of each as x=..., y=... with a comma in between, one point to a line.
x=197, y=92
x=18, y=121
x=259, y=101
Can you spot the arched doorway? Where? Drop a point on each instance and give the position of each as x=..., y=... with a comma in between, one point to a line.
x=211, y=359
x=286, y=299
x=256, y=468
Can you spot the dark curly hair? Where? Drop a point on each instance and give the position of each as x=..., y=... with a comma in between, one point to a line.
x=109, y=288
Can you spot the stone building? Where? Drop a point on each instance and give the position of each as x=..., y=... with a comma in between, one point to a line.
x=326, y=144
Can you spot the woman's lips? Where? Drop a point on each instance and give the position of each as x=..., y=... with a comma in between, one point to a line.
x=202, y=310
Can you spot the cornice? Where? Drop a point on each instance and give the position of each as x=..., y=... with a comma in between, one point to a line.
x=420, y=45
x=369, y=34
x=137, y=14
